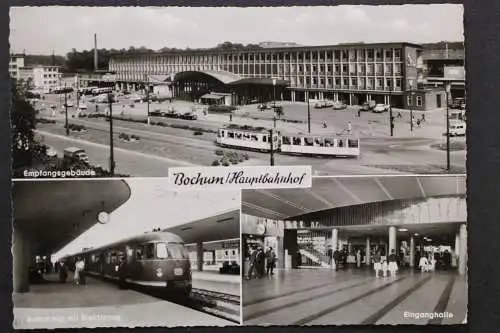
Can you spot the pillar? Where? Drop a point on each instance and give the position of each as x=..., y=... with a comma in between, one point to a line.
x=367, y=252
x=199, y=256
x=321, y=96
x=280, y=252
x=392, y=239
x=412, y=251
x=335, y=243
x=462, y=256
x=21, y=261
x=336, y=96
x=293, y=96
x=350, y=98
x=457, y=244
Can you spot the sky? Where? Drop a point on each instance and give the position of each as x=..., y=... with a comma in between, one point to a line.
x=151, y=205
x=41, y=30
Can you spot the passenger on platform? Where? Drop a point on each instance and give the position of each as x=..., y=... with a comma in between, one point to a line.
x=377, y=263
x=79, y=265
x=253, y=259
x=423, y=264
x=270, y=261
x=260, y=263
x=393, y=263
x=447, y=259
x=358, y=259
x=336, y=258
x=63, y=272
x=385, y=267
x=230, y=117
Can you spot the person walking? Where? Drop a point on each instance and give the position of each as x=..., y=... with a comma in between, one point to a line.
x=336, y=259
x=253, y=259
x=260, y=263
x=270, y=261
x=349, y=128
x=377, y=263
x=63, y=272
x=393, y=263
x=358, y=259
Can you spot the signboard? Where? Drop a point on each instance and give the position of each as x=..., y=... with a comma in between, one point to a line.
x=454, y=73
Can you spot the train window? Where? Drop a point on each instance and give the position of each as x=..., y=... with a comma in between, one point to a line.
x=149, y=249
x=297, y=141
x=352, y=143
x=139, y=252
x=318, y=142
x=177, y=251
x=286, y=140
x=264, y=138
x=329, y=142
x=255, y=138
x=113, y=258
x=340, y=143
x=239, y=136
x=308, y=141
x=161, y=251
x=230, y=135
x=108, y=257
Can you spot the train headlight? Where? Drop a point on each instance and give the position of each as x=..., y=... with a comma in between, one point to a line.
x=159, y=272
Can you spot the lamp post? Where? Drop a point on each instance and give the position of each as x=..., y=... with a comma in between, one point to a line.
x=391, y=117
x=274, y=105
x=447, y=88
x=308, y=113
x=66, y=109
x=272, y=148
x=147, y=97
x=412, y=94
x=111, y=148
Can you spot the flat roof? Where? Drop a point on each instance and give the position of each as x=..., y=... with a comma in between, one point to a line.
x=267, y=49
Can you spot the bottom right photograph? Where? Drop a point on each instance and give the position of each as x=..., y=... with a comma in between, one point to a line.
x=381, y=250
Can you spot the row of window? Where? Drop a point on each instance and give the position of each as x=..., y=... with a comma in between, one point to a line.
x=146, y=251
x=45, y=76
x=418, y=100
x=323, y=55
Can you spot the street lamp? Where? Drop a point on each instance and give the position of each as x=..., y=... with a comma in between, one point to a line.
x=308, y=113
x=274, y=104
x=66, y=109
x=111, y=146
x=391, y=117
x=147, y=97
x=412, y=95
x=447, y=88
x=272, y=148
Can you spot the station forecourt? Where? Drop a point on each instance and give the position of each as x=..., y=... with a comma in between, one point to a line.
x=414, y=215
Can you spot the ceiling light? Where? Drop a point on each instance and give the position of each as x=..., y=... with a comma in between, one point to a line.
x=403, y=229
x=416, y=234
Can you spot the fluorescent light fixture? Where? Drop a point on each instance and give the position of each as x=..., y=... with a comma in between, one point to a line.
x=403, y=229
x=416, y=234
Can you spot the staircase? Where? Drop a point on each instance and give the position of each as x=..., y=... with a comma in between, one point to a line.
x=315, y=257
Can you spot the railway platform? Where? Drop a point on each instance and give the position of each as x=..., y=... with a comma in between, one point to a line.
x=328, y=297
x=214, y=281
x=99, y=304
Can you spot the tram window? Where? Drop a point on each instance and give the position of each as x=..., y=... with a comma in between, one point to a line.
x=352, y=143
x=255, y=138
x=296, y=141
x=286, y=140
x=264, y=138
x=329, y=142
x=177, y=251
x=318, y=142
x=149, y=249
x=230, y=135
x=139, y=252
x=340, y=143
x=239, y=136
x=161, y=251
x=308, y=141
x=108, y=257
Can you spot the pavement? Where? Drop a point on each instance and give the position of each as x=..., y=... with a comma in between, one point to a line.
x=100, y=304
x=214, y=281
x=328, y=297
x=162, y=147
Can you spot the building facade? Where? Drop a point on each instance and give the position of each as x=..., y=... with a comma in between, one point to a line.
x=16, y=61
x=46, y=78
x=352, y=73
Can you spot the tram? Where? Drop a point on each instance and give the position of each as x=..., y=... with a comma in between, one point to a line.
x=296, y=144
x=155, y=259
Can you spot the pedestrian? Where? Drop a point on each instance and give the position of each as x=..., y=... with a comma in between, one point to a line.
x=336, y=259
x=423, y=264
x=359, y=113
x=253, y=259
x=423, y=117
x=418, y=122
x=358, y=259
x=260, y=263
x=230, y=117
x=324, y=124
x=393, y=263
x=63, y=272
x=377, y=263
x=270, y=261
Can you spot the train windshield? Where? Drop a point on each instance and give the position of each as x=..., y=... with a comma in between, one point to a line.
x=161, y=251
x=177, y=251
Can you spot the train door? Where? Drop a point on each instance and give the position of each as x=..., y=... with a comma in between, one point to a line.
x=137, y=262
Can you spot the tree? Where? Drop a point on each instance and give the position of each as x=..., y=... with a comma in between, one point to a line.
x=23, y=123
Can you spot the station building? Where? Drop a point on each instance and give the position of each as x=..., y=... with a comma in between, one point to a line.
x=412, y=215
x=353, y=73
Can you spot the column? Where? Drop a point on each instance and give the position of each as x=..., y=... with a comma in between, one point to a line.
x=336, y=96
x=392, y=239
x=412, y=251
x=321, y=96
x=350, y=98
x=457, y=244
x=462, y=256
x=280, y=252
x=367, y=97
x=199, y=256
x=335, y=239
x=21, y=261
x=293, y=96
x=367, y=252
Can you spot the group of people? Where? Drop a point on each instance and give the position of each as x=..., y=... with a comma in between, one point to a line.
x=79, y=267
x=444, y=260
x=385, y=264
x=262, y=263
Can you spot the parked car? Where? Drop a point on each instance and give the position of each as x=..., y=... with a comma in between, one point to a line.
x=189, y=116
x=156, y=113
x=51, y=152
x=70, y=104
x=75, y=153
x=457, y=128
x=379, y=108
x=339, y=105
x=323, y=104
x=457, y=103
x=82, y=106
x=263, y=106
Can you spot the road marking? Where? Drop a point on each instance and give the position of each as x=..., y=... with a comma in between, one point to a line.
x=126, y=151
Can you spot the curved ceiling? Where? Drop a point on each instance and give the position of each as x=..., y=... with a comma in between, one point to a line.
x=53, y=213
x=222, y=76
x=334, y=192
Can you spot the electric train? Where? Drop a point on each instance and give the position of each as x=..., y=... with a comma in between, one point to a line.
x=154, y=259
x=297, y=144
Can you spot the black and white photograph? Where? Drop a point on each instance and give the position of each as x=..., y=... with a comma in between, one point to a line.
x=131, y=91
x=124, y=253
x=372, y=250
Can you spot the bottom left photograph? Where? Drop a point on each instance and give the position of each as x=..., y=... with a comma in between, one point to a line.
x=124, y=253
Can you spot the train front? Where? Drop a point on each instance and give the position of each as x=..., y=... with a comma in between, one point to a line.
x=175, y=267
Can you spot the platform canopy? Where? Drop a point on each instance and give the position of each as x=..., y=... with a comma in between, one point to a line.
x=221, y=76
x=225, y=225
x=53, y=213
x=260, y=82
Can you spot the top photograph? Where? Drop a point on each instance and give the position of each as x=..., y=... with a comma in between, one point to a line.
x=134, y=91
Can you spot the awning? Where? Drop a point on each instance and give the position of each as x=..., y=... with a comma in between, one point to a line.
x=212, y=96
x=259, y=81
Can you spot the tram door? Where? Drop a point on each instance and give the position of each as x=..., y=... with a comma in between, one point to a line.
x=315, y=248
